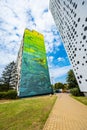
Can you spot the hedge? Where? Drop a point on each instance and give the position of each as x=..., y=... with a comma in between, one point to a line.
x=11, y=94
x=76, y=92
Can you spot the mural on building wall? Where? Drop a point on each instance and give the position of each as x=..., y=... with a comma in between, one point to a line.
x=34, y=78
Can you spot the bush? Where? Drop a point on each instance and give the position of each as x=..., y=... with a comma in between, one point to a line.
x=76, y=92
x=2, y=95
x=4, y=87
x=11, y=94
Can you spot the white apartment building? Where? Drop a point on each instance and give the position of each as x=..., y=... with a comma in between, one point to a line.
x=19, y=62
x=14, y=77
x=70, y=17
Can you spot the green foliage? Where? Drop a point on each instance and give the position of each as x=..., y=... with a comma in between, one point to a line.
x=76, y=92
x=4, y=87
x=2, y=95
x=58, y=86
x=6, y=76
x=11, y=94
x=71, y=80
x=66, y=86
x=73, y=85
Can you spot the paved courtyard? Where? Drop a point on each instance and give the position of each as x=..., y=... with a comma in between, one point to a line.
x=67, y=114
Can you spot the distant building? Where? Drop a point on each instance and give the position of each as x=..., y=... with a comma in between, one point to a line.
x=33, y=74
x=14, y=77
x=70, y=17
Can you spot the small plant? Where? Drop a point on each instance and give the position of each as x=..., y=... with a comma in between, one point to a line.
x=76, y=92
x=11, y=94
x=2, y=95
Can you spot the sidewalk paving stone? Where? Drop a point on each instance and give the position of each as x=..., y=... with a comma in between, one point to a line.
x=67, y=114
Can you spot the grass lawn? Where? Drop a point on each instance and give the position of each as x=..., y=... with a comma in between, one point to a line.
x=81, y=99
x=26, y=114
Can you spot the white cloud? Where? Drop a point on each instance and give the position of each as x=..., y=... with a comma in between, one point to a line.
x=50, y=59
x=57, y=72
x=5, y=58
x=49, y=41
x=60, y=59
x=37, y=7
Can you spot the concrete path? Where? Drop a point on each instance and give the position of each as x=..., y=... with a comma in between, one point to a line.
x=67, y=114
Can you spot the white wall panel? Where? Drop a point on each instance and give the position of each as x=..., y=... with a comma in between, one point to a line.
x=70, y=17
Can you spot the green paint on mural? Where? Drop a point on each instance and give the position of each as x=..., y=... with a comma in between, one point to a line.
x=34, y=70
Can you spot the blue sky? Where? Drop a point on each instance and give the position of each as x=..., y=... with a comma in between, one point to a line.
x=15, y=16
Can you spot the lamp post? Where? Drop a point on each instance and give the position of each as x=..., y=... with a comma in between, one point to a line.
x=52, y=80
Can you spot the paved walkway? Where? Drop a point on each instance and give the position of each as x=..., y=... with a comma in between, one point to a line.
x=67, y=114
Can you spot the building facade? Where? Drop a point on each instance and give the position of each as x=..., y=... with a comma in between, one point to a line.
x=33, y=74
x=70, y=17
x=14, y=77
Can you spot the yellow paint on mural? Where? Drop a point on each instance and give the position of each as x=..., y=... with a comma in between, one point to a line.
x=34, y=33
x=29, y=50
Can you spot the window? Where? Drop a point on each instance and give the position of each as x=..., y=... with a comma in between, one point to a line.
x=80, y=76
x=75, y=6
x=84, y=37
x=76, y=25
x=83, y=45
x=83, y=25
x=86, y=19
x=78, y=19
x=83, y=2
x=77, y=62
x=85, y=29
x=74, y=15
x=80, y=82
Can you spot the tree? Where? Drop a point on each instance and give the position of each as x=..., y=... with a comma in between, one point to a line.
x=66, y=86
x=58, y=86
x=71, y=80
x=6, y=76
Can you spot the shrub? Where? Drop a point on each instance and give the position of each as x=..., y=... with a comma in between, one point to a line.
x=4, y=87
x=76, y=92
x=2, y=95
x=11, y=94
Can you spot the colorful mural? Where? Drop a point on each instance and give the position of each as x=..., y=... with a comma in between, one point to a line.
x=34, y=78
